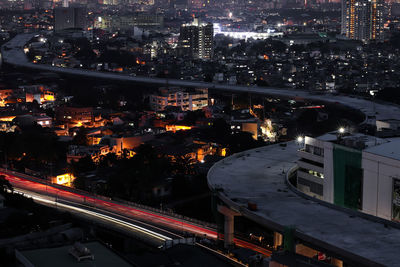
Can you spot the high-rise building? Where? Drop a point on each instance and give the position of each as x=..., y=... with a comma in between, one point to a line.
x=69, y=17
x=196, y=39
x=395, y=10
x=363, y=19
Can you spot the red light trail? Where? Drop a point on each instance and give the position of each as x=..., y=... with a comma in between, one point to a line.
x=177, y=225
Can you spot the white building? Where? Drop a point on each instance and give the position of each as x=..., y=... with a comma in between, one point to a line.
x=195, y=100
x=381, y=183
x=355, y=171
x=43, y=120
x=390, y=124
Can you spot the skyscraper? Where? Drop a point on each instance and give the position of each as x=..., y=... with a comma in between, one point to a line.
x=196, y=39
x=69, y=17
x=363, y=19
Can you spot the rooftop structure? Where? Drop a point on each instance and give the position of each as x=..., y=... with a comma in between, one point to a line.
x=258, y=176
x=60, y=257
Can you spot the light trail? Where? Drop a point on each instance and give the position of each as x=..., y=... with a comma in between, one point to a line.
x=143, y=217
x=98, y=215
x=116, y=208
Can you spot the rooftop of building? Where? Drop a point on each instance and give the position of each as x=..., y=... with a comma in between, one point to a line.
x=390, y=149
x=258, y=176
x=390, y=120
x=180, y=255
x=60, y=257
x=353, y=140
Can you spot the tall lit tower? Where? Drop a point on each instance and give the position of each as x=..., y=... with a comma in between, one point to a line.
x=363, y=19
x=197, y=39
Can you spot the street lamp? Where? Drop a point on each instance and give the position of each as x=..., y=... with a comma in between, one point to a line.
x=341, y=130
x=300, y=139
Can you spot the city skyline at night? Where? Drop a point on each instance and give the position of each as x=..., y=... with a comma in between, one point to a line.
x=199, y=133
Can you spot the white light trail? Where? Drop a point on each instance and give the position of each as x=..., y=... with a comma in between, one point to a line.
x=98, y=215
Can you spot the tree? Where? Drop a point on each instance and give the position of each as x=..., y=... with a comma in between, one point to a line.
x=241, y=141
x=79, y=167
x=133, y=179
x=220, y=129
x=83, y=165
x=192, y=116
x=81, y=138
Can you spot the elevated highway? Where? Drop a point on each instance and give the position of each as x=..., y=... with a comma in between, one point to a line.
x=13, y=54
x=157, y=226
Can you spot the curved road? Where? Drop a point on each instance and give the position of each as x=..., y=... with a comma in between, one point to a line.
x=159, y=227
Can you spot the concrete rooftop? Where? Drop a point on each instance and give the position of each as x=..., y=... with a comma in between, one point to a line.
x=390, y=149
x=257, y=176
x=60, y=257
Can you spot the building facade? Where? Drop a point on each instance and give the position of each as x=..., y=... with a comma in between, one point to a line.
x=363, y=19
x=354, y=171
x=187, y=101
x=74, y=115
x=197, y=40
x=70, y=17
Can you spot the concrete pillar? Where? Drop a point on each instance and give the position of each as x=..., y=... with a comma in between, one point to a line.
x=289, y=243
x=229, y=225
x=278, y=240
x=229, y=230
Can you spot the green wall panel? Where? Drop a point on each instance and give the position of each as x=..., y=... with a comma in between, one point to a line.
x=347, y=175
